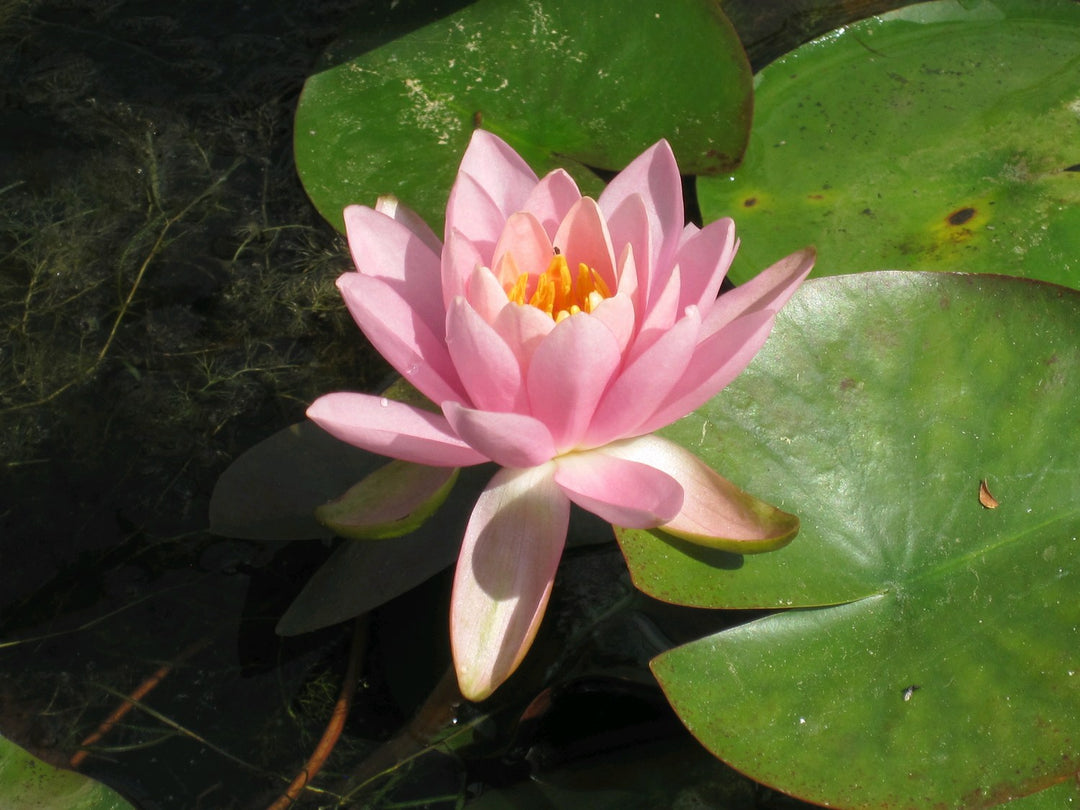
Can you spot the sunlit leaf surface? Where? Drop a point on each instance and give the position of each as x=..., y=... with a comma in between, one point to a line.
x=944, y=669
x=563, y=87
x=942, y=136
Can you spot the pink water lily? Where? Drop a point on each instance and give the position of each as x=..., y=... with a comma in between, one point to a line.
x=555, y=333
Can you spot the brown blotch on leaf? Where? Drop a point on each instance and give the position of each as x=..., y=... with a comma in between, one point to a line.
x=749, y=202
x=477, y=119
x=985, y=498
x=960, y=216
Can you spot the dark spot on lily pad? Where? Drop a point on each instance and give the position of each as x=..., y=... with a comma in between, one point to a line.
x=1074, y=168
x=960, y=216
x=749, y=202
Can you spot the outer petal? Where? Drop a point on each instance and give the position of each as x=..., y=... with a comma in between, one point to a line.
x=508, y=439
x=393, y=429
x=460, y=258
x=552, y=198
x=569, y=372
x=508, y=559
x=486, y=366
x=704, y=259
x=654, y=175
x=714, y=511
x=472, y=211
x=717, y=361
x=505, y=177
x=402, y=336
x=768, y=290
x=385, y=249
x=629, y=229
x=645, y=383
x=626, y=493
x=389, y=205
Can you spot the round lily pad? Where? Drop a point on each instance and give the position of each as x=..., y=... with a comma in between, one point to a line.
x=924, y=427
x=564, y=88
x=942, y=136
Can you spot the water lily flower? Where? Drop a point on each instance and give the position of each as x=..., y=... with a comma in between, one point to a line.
x=555, y=333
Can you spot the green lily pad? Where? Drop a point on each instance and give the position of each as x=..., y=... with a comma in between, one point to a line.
x=564, y=88
x=926, y=429
x=942, y=136
x=28, y=783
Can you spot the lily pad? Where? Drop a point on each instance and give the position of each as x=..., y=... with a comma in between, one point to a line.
x=934, y=658
x=942, y=136
x=562, y=87
x=28, y=783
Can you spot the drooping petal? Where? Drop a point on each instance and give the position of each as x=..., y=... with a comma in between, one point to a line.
x=717, y=360
x=508, y=439
x=552, y=198
x=505, y=177
x=569, y=372
x=714, y=511
x=400, y=335
x=645, y=382
x=583, y=238
x=392, y=428
x=527, y=241
x=385, y=249
x=768, y=290
x=654, y=175
x=623, y=492
x=389, y=205
x=508, y=560
x=485, y=365
x=704, y=259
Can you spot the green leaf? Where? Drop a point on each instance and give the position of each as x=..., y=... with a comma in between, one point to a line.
x=562, y=87
x=272, y=490
x=28, y=783
x=938, y=137
x=394, y=500
x=944, y=670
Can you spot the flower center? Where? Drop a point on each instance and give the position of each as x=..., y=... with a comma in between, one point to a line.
x=557, y=292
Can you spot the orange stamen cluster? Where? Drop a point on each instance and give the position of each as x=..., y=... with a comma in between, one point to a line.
x=557, y=292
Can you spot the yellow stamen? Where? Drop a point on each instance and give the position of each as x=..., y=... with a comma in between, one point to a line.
x=557, y=293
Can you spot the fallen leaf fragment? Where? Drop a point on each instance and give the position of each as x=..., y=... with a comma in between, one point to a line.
x=985, y=498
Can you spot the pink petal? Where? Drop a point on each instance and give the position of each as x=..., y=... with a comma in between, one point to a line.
x=583, y=238
x=504, y=176
x=645, y=382
x=717, y=361
x=617, y=314
x=508, y=560
x=704, y=259
x=485, y=294
x=392, y=207
x=629, y=228
x=662, y=311
x=552, y=198
x=654, y=175
x=523, y=327
x=568, y=374
x=768, y=290
x=391, y=428
x=400, y=335
x=527, y=241
x=486, y=366
x=712, y=509
x=508, y=439
x=460, y=258
x=471, y=210
x=385, y=249
x=622, y=492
